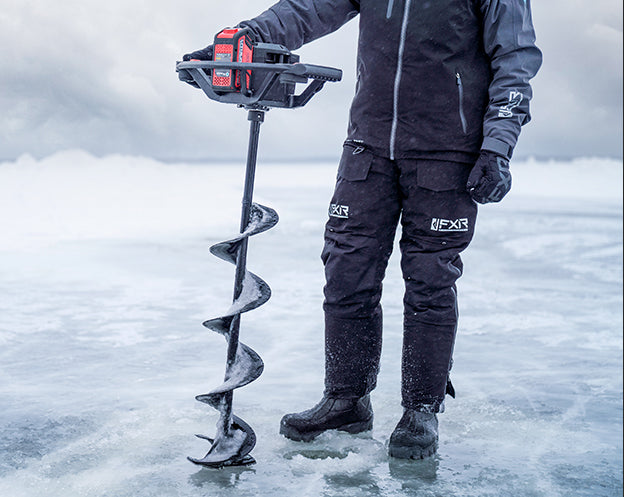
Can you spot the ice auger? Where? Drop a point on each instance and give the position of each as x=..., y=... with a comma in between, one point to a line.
x=269, y=80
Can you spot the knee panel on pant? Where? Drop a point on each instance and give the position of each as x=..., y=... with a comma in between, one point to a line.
x=430, y=295
x=354, y=270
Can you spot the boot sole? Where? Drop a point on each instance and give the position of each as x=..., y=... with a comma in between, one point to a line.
x=353, y=428
x=412, y=452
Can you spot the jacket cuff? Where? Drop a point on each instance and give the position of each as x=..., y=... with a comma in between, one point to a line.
x=497, y=146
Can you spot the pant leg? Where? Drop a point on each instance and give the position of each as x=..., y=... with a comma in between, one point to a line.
x=437, y=224
x=359, y=235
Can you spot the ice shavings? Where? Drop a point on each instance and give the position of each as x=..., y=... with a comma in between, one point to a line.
x=249, y=294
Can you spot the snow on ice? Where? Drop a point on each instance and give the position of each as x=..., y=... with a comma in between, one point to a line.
x=106, y=277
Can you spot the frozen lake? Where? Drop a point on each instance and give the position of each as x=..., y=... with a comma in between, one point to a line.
x=105, y=278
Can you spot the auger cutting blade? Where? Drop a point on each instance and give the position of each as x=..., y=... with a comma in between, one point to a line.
x=231, y=449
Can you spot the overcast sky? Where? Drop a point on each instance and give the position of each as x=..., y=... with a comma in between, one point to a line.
x=100, y=75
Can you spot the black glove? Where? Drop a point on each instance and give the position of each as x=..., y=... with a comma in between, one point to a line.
x=490, y=179
x=203, y=54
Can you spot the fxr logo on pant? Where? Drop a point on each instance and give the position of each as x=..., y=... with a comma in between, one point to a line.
x=438, y=224
x=337, y=210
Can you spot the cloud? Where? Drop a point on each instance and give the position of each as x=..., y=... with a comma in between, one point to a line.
x=577, y=109
x=100, y=76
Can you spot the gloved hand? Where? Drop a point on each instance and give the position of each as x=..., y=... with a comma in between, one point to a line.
x=490, y=179
x=203, y=54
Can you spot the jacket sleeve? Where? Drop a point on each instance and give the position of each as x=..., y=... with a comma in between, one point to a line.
x=293, y=23
x=509, y=42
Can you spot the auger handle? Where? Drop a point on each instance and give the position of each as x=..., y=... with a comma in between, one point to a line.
x=311, y=71
x=278, y=74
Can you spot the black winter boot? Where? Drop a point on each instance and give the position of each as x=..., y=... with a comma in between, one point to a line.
x=350, y=415
x=415, y=437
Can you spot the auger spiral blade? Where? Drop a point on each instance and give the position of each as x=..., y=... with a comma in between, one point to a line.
x=235, y=438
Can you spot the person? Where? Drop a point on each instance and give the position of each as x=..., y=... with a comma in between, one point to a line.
x=442, y=92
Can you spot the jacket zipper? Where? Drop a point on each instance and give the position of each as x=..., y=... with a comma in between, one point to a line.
x=389, y=11
x=460, y=90
x=397, y=79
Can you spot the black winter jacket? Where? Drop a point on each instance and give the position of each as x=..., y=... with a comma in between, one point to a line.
x=433, y=76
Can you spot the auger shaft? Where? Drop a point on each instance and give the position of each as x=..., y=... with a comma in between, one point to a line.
x=256, y=118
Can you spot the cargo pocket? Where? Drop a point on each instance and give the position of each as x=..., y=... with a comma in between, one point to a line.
x=355, y=162
x=441, y=176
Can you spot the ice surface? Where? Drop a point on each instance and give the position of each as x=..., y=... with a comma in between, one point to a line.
x=106, y=277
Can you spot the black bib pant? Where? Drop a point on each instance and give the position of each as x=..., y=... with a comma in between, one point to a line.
x=437, y=216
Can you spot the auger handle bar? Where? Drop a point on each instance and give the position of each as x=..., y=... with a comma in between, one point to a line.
x=278, y=74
